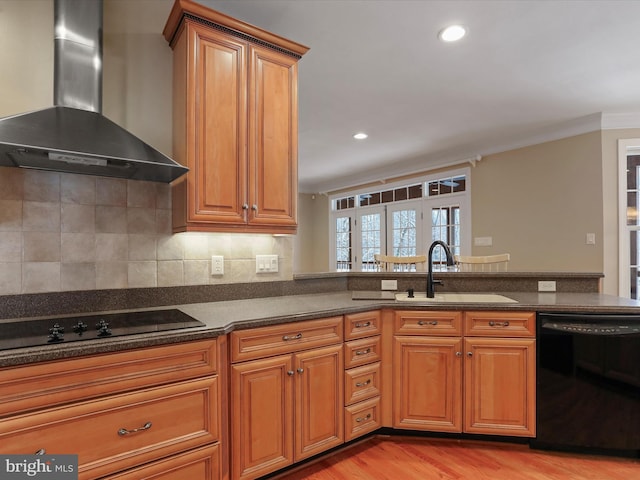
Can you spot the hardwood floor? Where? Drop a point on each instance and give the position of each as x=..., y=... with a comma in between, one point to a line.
x=410, y=458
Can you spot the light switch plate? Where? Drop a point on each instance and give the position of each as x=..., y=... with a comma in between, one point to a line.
x=266, y=263
x=483, y=241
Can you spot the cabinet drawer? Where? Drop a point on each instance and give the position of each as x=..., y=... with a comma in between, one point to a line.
x=408, y=322
x=201, y=463
x=47, y=384
x=500, y=324
x=361, y=383
x=169, y=420
x=286, y=338
x=359, y=352
x=364, y=324
x=361, y=418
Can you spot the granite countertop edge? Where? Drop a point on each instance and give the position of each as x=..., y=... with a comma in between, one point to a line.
x=225, y=316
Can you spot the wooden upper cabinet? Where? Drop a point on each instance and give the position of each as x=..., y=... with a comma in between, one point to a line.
x=235, y=123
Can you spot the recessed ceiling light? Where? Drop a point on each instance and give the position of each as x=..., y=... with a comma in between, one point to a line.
x=360, y=136
x=452, y=33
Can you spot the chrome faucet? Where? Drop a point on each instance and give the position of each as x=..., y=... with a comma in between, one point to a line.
x=430, y=281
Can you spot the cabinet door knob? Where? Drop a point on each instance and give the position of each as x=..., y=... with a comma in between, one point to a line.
x=245, y=206
x=458, y=354
x=469, y=354
x=254, y=207
x=300, y=370
x=290, y=372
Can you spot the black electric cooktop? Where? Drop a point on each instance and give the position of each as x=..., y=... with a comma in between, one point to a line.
x=54, y=331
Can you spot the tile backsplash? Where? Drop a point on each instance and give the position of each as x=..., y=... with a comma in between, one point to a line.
x=65, y=232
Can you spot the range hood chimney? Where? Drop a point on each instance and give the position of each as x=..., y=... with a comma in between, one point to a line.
x=73, y=136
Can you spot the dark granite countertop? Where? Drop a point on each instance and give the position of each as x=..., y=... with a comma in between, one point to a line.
x=225, y=316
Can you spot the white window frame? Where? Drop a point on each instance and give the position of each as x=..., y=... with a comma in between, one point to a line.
x=463, y=199
x=625, y=148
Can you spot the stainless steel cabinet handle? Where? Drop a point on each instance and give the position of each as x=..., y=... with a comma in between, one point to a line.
x=458, y=354
x=245, y=206
x=363, y=384
x=422, y=322
x=498, y=324
x=362, y=419
x=42, y=451
x=469, y=354
x=254, y=207
x=363, y=325
x=300, y=370
x=286, y=338
x=290, y=372
x=363, y=352
x=123, y=431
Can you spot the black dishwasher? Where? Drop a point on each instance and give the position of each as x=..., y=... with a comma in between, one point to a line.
x=588, y=383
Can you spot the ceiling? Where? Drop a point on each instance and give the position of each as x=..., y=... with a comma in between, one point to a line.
x=527, y=71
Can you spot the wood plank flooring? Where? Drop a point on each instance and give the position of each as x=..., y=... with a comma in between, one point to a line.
x=410, y=458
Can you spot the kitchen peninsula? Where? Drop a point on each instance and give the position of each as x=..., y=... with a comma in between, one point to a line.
x=315, y=326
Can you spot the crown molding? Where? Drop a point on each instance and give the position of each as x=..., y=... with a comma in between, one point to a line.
x=570, y=128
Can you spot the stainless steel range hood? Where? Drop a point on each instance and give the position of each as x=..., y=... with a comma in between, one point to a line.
x=73, y=136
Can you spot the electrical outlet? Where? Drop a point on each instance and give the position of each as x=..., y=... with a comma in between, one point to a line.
x=266, y=263
x=546, y=286
x=389, y=285
x=217, y=265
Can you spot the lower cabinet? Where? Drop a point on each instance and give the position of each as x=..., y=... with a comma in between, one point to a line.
x=287, y=407
x=481, y=383
x=428, y=383
x=202, y=463
x=170, y=427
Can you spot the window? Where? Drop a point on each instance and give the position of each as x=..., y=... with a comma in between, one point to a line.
x=400, y=219
x=629, y=223
x=344, y=257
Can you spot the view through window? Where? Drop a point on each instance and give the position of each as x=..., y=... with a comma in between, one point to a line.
x=400, y=220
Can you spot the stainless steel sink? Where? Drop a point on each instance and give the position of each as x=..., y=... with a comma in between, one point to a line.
x=455, y=298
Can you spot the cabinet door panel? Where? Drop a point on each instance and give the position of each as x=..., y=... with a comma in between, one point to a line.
x=273, y=133
x=262, y=413
x=319, y=397
x=218, y=177
x=427, y=382
x=500, y=386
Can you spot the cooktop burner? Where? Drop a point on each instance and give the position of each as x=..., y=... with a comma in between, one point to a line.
x=54, y=331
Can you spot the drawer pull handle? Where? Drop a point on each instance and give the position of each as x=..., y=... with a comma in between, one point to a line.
x=42, y=451
x=363, y=352
x=363, y=325
x=422, y=322
x=362, y=419
x=363, y=384
x=286, y=338
x=123, y=431
x=498, y=324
